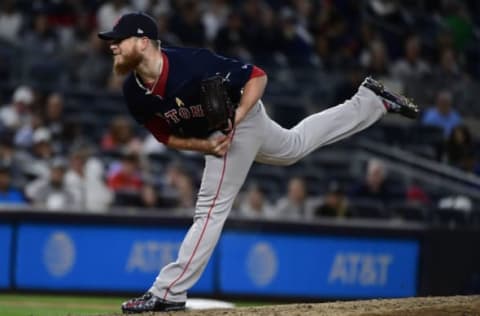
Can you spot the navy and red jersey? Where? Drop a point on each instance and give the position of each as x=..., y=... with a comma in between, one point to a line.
x=172, y=105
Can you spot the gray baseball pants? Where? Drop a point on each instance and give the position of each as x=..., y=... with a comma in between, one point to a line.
x=256, y=138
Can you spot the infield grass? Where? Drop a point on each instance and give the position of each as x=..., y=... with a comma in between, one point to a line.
x=49, y=305
x=61, y=305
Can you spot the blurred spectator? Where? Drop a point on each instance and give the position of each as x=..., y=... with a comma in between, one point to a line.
x=334, y=203
x=214, y=17
x=75, y=132
x=253, y=13
x=391, y=19
x=411, y=65
x=328, y=22
x=323, y=54
x=375, y=185
x=186, y=23
x=149, y=197
x=41, y=37
x=404, y=39
x=84, y=178
x=51, y=192
x=416, y=195
x=92, y=67
x=125, y=180
x=367, y=34
x=12, y=159
x=443, y=114
x=263, y=39
x=296, y=43
x=178, y=180
x=120, y=136
x=160, y=7
x=18, y=112
x=38, y=163
x=448, y=73
x=232, y=39
x=109, y=12
x=454, y=210
x=11, y=21
x=376, y=60
x=141, y=5
x=457, y=202
x=458, y=145
x=255, y=204
x=24, y=135
x=8, y=193
x=76, y=40
x=54, y=118
x=469, y=163
x=296, y=204
x=167, y=37
x=459, y=22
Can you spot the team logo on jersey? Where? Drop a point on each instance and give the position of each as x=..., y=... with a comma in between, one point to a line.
x=175, y=116
x=179, y=102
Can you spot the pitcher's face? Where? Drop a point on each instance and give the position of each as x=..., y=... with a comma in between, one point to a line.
x=126, y=55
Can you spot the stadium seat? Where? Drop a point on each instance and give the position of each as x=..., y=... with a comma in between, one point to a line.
x=395, y=134
x=410, y=212
x=127, y=199
x=368, y=208
x=425, y=134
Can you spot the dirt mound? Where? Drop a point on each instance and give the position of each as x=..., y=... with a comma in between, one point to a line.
x=417, y=306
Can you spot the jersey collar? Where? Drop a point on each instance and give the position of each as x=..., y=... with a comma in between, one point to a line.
x=160, y=87
x=161, y=84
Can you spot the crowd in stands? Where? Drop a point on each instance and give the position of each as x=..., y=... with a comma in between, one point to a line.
x=49, y=157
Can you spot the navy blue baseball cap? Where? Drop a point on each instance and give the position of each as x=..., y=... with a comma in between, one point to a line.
x=132, y=24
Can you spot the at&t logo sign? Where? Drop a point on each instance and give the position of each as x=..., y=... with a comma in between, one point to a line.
x=262, y=264
x=59, y=254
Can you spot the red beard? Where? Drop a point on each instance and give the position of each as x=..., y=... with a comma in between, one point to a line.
x=127, y=64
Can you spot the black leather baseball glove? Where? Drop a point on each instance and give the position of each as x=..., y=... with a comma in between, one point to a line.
x=217, y=105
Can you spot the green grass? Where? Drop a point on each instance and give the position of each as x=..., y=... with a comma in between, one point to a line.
x=60, y=305
x=48, y=305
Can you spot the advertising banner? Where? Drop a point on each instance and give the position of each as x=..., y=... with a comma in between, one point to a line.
x=292, y=265
x=5, y=252
x=97, y=257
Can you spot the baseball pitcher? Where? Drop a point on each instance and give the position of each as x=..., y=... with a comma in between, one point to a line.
x=193, y=99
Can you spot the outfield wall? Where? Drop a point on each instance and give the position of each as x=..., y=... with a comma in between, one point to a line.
x=322, y=260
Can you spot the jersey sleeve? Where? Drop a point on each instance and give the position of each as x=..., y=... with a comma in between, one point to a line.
x=257, y=72
x=159, y=129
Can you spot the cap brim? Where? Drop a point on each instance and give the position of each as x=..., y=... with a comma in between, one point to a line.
x=111, y=35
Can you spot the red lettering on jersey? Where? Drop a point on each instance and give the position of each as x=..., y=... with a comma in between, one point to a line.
x=197, y=110
x=184, y=113
x=172, y=115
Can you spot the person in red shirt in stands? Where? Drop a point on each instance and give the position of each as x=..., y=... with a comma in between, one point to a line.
x=126, y=181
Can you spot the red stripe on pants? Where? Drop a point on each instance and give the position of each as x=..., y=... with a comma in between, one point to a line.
x=204, y=227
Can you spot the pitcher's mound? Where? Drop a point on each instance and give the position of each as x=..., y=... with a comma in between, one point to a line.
x=416, y=306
